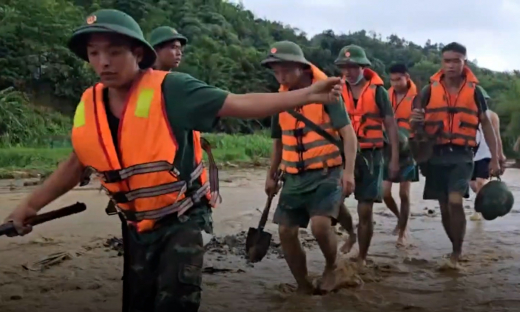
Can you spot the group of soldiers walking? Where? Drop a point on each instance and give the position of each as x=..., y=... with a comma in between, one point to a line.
x=138, y=130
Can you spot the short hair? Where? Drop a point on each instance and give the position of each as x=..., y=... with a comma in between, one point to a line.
x=398, y=69
x=455, y=47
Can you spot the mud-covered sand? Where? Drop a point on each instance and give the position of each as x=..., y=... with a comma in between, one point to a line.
x=89, y=279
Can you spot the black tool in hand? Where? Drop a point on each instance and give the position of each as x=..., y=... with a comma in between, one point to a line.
x=78, y=207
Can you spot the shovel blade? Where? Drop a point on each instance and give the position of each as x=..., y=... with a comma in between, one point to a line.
x=257, y=244
x=250, y=238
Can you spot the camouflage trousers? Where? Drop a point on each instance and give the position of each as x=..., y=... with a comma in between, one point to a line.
x=163, y=268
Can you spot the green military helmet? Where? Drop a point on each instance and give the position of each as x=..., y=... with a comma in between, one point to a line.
x=164, y=34
x=285, y=51
x=494, y=200
x=352, y=54
x=115, y=22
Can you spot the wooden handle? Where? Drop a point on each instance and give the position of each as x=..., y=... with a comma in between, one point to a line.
x=78, y=207
x=56, y=214
x=265, y=213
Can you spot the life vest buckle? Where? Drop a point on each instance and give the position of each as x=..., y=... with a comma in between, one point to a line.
x=119, y=197
x=129, y=215
x=111, y=176
x=175, y=172
x=298, y=133
x=452, y=110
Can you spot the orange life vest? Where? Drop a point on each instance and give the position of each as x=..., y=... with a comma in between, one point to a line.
x=366, y=115
x=304, y=149
x=141, y=179
x=403, y=108
x=453, y=118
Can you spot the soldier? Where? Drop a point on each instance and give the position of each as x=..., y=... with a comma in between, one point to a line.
x=369, y=108
x=168, y=45
x=482, y=156
x=450, y=110
x=134, y=130
x=402, y=92
x=312, y=165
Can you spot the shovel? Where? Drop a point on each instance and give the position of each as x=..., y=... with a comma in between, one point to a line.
x=258, y=241
x=8, y=228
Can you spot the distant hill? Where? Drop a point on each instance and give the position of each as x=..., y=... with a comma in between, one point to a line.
x=226, y=45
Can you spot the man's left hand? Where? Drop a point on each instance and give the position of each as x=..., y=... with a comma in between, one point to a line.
x=348, y=184
x=502, y=160
x=494, y=168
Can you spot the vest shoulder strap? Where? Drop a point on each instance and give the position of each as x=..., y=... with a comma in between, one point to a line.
x=319, y=130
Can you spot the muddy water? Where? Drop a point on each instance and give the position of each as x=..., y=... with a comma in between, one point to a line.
x=395, y=280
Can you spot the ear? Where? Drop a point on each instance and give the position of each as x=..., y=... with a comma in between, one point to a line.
x=138, y=53
x=407, y=75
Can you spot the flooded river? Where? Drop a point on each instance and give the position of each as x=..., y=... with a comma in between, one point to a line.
x=395, y=280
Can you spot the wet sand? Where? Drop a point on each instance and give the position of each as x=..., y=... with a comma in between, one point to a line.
x=395, y=280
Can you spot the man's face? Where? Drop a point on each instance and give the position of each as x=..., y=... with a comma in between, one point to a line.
x=351, y=72
x=287, y=73
x=453, y=63
x=399, y=81
x=113, y=59
x=170, y=54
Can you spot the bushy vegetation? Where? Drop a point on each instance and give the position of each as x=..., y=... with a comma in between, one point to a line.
x=40, y=77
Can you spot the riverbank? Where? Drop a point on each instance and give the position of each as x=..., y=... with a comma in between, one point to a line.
x=235, y=151
x=87, y=275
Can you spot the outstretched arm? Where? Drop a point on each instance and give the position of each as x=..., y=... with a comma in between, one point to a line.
x=194, y=105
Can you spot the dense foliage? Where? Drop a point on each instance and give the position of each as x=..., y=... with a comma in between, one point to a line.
x=226, y=45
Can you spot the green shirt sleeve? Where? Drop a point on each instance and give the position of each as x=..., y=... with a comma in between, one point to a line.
x=276, y=130
x=480, y=99
x=338, y=114
x=383, y=102
x=190, y=103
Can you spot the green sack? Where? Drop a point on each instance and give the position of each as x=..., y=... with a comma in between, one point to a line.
x=494, y=200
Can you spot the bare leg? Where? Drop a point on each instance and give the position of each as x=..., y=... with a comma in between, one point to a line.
x=404, y=194
x=457, y=225
x=345, y=220
x=365, y=229
x=295, y=257
x=322, y=230
x=473, y=186
x=445, y=216
x=390, y=203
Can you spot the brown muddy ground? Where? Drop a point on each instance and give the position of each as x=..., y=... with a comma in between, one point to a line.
x=395, y=280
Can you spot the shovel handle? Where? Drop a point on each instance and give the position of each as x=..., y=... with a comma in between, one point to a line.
x=45, y=217
x=265, y=213
x=56, y=214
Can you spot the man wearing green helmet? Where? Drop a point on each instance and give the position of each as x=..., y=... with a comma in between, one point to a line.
x=134, y=130
x=482, y=156
x=168, y=45
x=370, y=110
x=312, y=165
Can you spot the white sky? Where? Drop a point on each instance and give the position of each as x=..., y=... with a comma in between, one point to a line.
x=490, y=29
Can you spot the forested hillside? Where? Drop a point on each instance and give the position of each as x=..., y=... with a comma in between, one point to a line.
x=226, y=44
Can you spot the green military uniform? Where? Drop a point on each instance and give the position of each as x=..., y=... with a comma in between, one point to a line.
x=311, y=192
x=164, y=34
x=369, y=162
x=450, y=167
x=163, y=267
